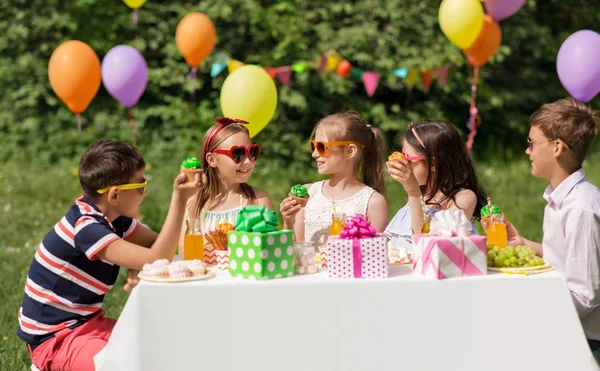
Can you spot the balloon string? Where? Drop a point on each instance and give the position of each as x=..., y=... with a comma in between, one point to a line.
x=132, y=127
x=135, y=23
x=192, y=76
x=474, y=118
x=78, y=124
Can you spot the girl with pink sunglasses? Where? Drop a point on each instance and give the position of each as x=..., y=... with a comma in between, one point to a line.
x=438, y=169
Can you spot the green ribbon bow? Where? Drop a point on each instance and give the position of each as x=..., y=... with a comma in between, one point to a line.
x=191, y=163
x=256, y=218
x=299, y=191
x=485, y=211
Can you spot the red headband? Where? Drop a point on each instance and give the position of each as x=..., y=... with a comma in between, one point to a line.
x=223, y=122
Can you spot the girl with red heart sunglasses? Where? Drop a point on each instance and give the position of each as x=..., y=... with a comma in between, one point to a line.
x=228, y=157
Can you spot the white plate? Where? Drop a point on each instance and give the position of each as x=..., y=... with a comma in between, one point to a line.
x=209, y=274
x=521, y=269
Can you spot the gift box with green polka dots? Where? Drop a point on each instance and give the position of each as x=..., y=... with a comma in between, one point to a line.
x=261, y=256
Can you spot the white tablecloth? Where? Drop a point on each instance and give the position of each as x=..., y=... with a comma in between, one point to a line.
x=494, y=322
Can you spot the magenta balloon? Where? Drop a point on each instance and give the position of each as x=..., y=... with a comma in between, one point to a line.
x=125, y=74
x=501, y=9
x=578, y=65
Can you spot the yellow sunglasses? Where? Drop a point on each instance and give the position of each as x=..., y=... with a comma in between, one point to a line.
x=126, y=187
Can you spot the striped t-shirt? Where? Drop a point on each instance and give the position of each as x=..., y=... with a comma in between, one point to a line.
x=66, y=282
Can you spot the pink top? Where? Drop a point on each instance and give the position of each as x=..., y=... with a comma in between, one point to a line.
x=572, y=244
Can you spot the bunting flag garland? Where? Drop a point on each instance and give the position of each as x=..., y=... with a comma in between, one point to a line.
x=284, y=74
x=332, y=61
x=371, y=80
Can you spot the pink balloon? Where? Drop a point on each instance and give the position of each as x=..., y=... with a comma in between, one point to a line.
x=502, y=9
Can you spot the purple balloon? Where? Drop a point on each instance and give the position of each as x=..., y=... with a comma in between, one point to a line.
x=501, y=9
x=125, y=74
x=578, y=65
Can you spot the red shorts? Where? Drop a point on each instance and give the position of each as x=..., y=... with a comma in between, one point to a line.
x=74, y=349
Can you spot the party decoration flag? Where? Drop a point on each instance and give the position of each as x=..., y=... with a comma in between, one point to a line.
x=412, y=78
x=427, y=77
x=300, y=67
x=217, y=68
x=371, y=80
x=323, y=64
x=333, y=60
x=233, y=65
x=356, y=72
x=400, y=72
x=441, y=74
x=284, y=74
x=344, y=68
x=271, y=71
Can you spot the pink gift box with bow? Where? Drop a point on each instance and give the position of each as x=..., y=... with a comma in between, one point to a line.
x=358, y=252
x=442, y=257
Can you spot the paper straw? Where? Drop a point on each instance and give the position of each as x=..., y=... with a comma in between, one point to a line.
x=333, y=203
x=489, y=202
x=423, y=208
x=241, y=201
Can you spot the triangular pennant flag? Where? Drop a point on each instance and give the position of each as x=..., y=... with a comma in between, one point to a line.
x=412, y=78
x=371, y=80
x=427, y=77
x=284, y=74
x=400, y=72
x=233, y=65
x=442, y=74
x=271, y=71
x=216, y=69
x=333, y=59
x=300, y=67
x=323, y=64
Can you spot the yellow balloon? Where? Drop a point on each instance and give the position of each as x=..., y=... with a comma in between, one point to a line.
x=461, y=21
x=249, y=94
x=134, y=4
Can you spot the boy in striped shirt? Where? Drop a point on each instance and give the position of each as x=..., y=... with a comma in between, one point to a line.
x=77, y=263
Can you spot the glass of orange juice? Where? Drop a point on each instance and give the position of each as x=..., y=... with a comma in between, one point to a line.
x=337, y=224
x=193, y=241
x=496, y=234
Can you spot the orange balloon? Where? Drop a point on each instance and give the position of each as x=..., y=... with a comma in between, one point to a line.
x=344, y=68
x=195, y=37
x=74, y=74
x=486, y=44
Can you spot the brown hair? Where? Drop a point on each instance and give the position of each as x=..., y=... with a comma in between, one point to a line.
x=454, y=170
x=107, y=163
x=211, y=191
x=350, y=126
x=571, y=121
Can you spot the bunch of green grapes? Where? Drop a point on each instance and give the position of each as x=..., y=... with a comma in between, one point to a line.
x=512, y=257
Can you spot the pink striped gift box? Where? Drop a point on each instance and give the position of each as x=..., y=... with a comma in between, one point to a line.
x=444, y=257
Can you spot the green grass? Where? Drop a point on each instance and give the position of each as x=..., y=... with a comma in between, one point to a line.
x=32, y=199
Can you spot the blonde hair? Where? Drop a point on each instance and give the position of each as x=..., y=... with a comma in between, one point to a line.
x=571, y=121
x=350, y=126
x=206, y=195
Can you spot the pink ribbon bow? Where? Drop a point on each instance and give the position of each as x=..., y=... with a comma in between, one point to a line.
x=356, y=228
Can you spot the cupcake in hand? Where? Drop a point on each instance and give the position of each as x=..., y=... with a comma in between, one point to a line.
x=395, y=156
x=300, y=194
x=191, y=166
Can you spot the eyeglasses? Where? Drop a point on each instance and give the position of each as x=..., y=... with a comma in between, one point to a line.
x=413, y=158
x=323, y=147
x=238, y=153
x=126, y=187
x=530, y=144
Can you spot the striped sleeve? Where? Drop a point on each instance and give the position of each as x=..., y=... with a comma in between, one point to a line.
x=92, y=235
x=126, y=227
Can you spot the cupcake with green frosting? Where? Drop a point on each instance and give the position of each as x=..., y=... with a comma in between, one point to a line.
x=191, y=166
x=486, y=213
x=300, y=194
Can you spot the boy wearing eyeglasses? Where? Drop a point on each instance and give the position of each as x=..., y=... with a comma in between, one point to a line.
x=77, y=263
x=560, y=137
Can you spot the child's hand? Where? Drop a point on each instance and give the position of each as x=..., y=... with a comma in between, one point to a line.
x=401, y=171
x=289, y=208
x=188, y=189
x=513, y=236
x=132, y=279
